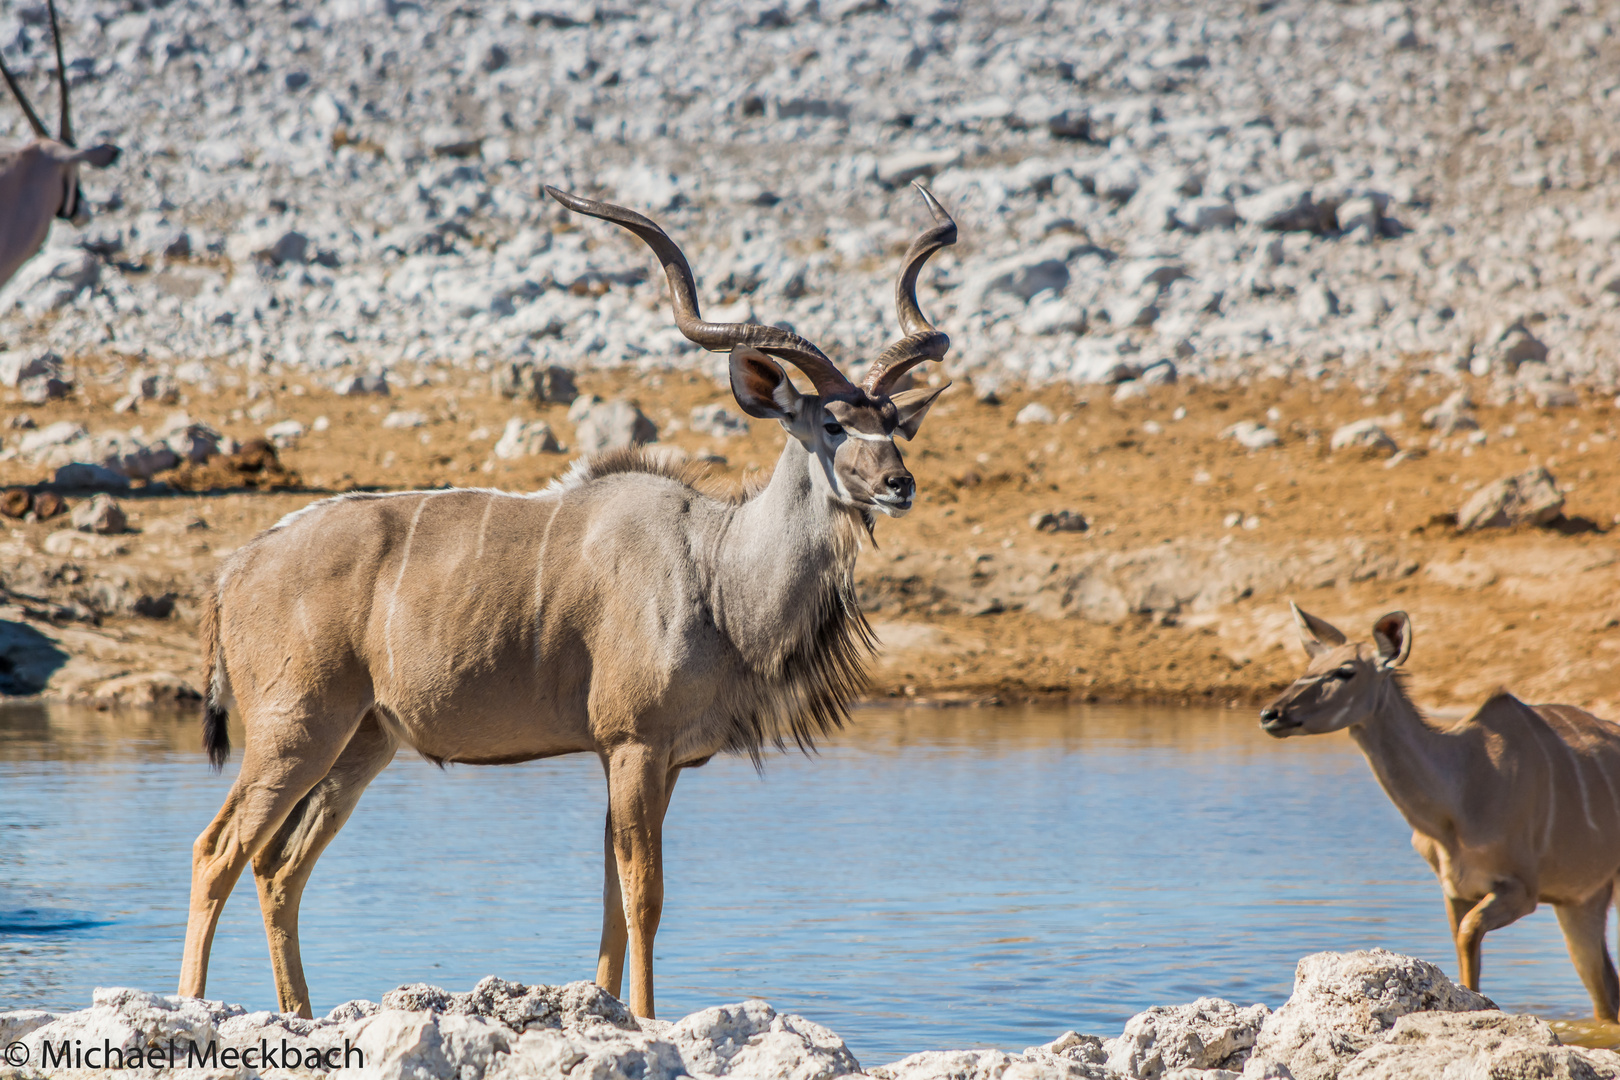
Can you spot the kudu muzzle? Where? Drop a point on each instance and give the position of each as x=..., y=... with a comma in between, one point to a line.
x=1276, y=719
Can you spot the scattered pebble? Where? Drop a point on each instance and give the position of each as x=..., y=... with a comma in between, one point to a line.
x=525, y=439
x=1528, y=498
x=1366, y=435
x=1059, y=521
x=101, y=515
x=1248, y=434
x=286, y=434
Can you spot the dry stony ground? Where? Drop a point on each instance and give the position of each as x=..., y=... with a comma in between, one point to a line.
x=1165, y=597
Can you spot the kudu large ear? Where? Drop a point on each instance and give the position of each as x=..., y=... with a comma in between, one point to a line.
x=97, y=157
x=1392, y=634
x=1317, y=635
x=911, y=406
x=761, y=387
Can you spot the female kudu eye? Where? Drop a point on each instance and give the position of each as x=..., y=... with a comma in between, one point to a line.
x=833, y=429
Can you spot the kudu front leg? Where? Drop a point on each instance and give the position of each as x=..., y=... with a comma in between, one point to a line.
x=1585, y=927
x=615, y=933
x=638, y=795
x=1509, y=902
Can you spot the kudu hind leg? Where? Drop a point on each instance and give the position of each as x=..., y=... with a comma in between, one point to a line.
x=615, y=932
x=282, y=867
x=1585, y=927
x=276, y=774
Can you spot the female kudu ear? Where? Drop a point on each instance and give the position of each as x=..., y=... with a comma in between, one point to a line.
x=1317, y=635
x=761, y=387
x=1393, y=636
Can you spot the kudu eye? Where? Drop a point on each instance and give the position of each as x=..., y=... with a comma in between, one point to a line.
x=833, y=429
x=1346, y=672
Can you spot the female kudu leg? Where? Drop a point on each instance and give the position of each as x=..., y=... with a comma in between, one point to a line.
x=638, y=777
x=1585, y=927
x=615, y=934
x=1509, y=902
x=1456, y=909
x=282, y=867
x=278, y=769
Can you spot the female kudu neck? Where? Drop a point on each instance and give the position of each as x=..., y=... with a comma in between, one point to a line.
x=1417, y=765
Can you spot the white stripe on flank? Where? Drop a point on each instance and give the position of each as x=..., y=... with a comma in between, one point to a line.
x=1552, y=793
x=393, y=601
x=1580, y=779
x=482, y=525
x=539, y=574
x=1614, y=800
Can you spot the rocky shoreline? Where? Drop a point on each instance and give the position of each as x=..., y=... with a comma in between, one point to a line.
x=1371, y=1015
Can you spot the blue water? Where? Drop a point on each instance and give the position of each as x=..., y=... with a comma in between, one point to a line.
x=932, y=879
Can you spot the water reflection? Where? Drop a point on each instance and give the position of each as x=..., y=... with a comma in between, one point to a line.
x=934, y=878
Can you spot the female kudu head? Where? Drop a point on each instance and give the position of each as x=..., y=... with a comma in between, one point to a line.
x=1345, y=681
x=59, y=193
x=850, y=429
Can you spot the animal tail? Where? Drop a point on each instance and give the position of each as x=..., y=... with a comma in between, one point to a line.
x=216, y=737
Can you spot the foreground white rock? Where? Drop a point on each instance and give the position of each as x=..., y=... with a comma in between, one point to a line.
x=1353, y=1016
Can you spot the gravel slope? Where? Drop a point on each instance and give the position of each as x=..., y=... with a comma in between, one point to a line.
x=1253, y=188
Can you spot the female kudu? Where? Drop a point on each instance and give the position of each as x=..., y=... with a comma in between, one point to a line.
x=620, y=612
x=1515, y=805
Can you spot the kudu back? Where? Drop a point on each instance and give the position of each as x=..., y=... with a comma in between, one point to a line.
x=1516, y=805
x=39, y=180
x=621, y=612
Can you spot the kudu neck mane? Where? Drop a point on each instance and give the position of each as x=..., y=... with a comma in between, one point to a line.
x=782, y=590
x=784, y=593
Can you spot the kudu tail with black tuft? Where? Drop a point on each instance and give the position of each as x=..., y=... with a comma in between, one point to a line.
x=216, y=736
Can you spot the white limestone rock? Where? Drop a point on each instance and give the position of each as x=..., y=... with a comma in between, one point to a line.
x=1485, y=1043
x=17, y=365
x=1251, y=435
x=524, y=439
x=990, y=1065
x=717, y=421
x=1528, y=498
x=101, y=515
x=613, y=425
x=285, y=435
x=754, y=1040
x=1345, y=1002
x=1454, y=414
x=1208, y=1034
x=1367, y=435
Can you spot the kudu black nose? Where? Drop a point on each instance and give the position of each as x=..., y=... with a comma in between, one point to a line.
x=900, y=485
x=1270, y=713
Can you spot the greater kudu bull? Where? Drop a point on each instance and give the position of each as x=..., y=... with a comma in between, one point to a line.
x=40, y=179
x=1515, y=805
x=621, y=612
